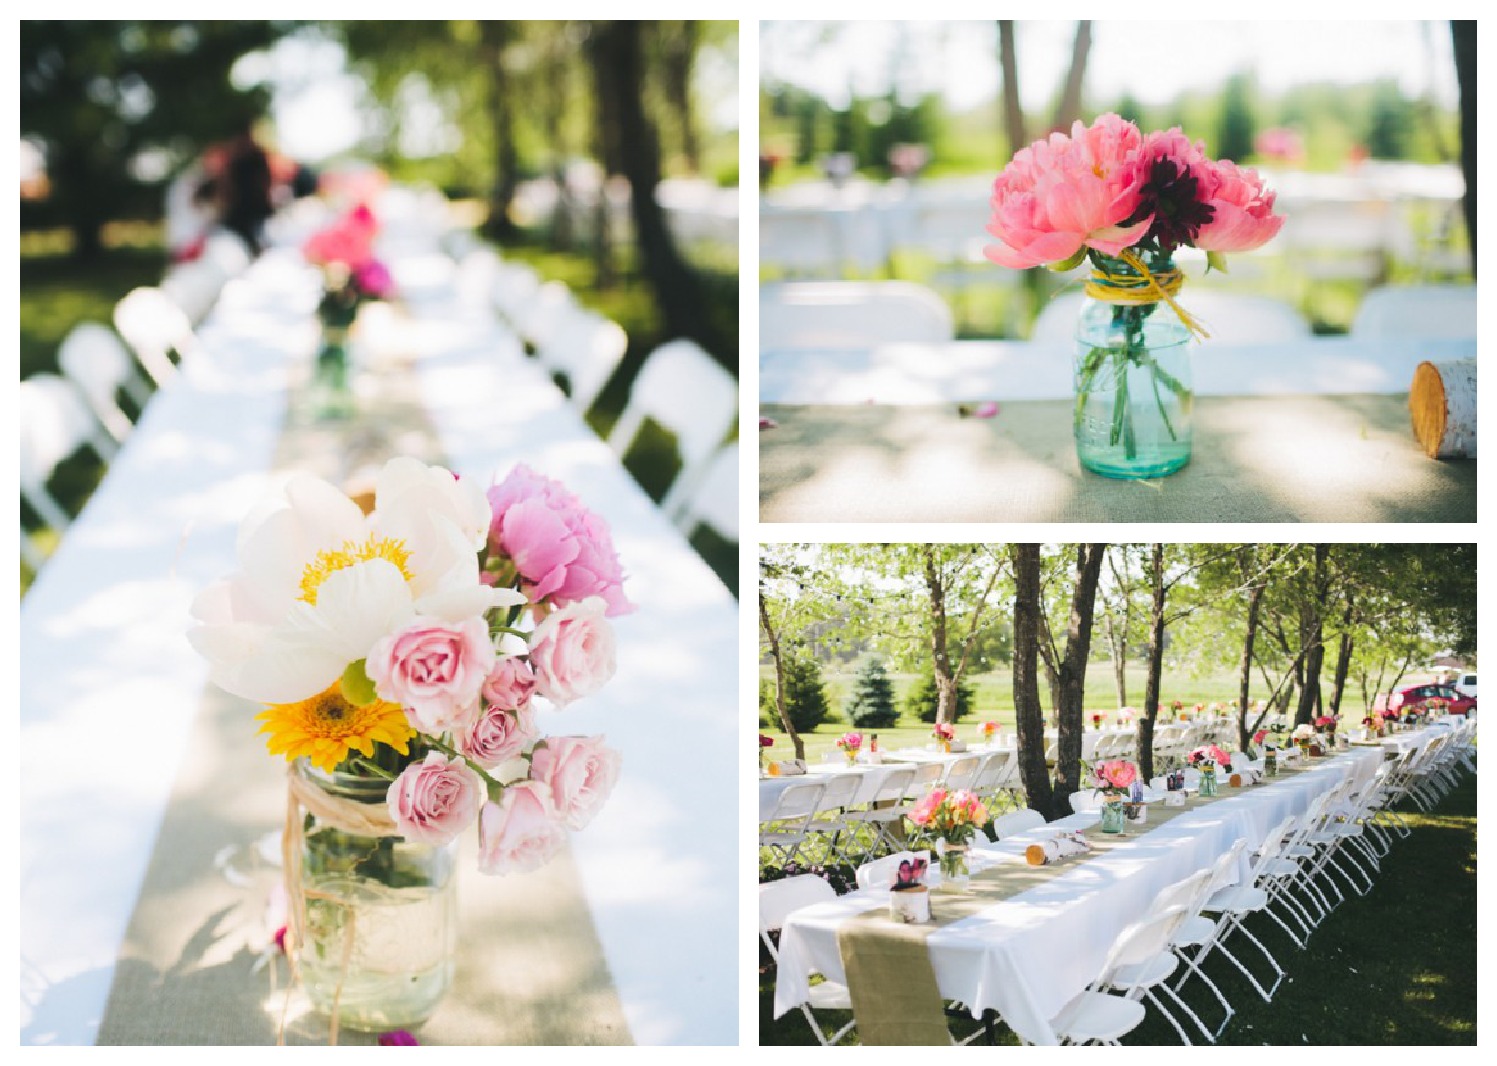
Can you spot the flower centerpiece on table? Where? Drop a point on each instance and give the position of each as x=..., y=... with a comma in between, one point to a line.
x=764, y=742
x=1303, y=735
x=1126, y=201
x=351, y=277
x=850, y=744
x=1126, y=715
x=400, y=656
x=1178, y=708
x=1114, y=780
x=1208, y=760
x=950, y=819
x=944, y=734
x=1326, y=724
x=989, y=731
x=1097, y=721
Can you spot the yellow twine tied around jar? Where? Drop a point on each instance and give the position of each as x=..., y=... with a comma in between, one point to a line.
x=1145, y=288
x=350, y=816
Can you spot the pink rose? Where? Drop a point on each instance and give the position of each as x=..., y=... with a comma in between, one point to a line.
x=434, y=669
x=579, y=773
x=498, y=735
x=562, y=550
x=510, y=684
x=520, y=832
x=572, y=652
x=435, y=800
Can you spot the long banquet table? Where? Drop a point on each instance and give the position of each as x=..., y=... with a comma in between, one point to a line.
x=144, y=798
x=1314, y=430
x=1029, y=955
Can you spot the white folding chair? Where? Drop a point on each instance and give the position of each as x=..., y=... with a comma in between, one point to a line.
x=885, y=812
x=778, y=900
x=714, y=503
x=55, y=422
x=1085, y=799
x=194, y=287
x=514, y=286
x=830, y=834
x=850, y=314
x=1195, y=931
x=687, y=392
x=1016, y=822
x=802, y=242
x=962, y=773
x=1139, y=961
x=1232, y=903
x=585, y=349
x=538, y=319
x=96, y=361
x=786, y=830
x=154, y=327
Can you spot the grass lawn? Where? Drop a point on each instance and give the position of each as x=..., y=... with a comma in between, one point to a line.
x=1397, y=966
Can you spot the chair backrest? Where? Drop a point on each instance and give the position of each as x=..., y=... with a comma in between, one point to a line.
x=993, y=772
x=54, y=423
x=778, y=900
x=927, y=775
x=1085, y=800
x=881, y=873
x=850, y=315
x=1188, y=892
x=1144, y=939
x=714, y=502
x=799, y=241
x=514, y=285
x=543, y=313
x=1418, y=311
x=153, y=326
x=895, y=785
x=1016, y=822
x=799, y=801
x=962, y=773
x=689, y=393
x=586, y=348
x=194, y=287
x=1231, y=318
x=840, y=790
x=96, y=361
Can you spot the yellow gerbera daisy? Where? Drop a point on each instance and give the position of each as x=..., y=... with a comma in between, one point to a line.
x=326, y=727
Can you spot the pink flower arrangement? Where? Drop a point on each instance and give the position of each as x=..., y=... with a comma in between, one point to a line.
x=953, y=816
x=765, y=742
x=943, y=731
x=1260, y=736
x=1113, y=778
x=989, y=729
x=345, y=252
x=1326, y=724
x=561, y=550
x=850, y=742
x=1212, y=754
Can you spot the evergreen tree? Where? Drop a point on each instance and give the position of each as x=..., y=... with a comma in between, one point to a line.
x=920, y=701
x=805, y=693
x=1237, y=128
x=871, y=705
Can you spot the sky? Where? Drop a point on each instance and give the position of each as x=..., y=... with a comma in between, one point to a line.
x=1154, y=61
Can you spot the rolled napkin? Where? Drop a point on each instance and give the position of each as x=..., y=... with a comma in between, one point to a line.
x=791, y=768
x=1062, y=846
x=1246, y=776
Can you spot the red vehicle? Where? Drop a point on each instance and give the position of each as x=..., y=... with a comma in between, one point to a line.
x=1426, y=697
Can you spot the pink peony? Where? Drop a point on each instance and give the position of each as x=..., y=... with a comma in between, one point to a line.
x=925, y=810
x=579, y=773
x=498, y=735
x=520, y=832
x=1063, y=194
x=434, y=669
x=349, y=241
x=1119, y=773
x=1243, y=217
x=562, y=550
x=435, y=800
x=572, y=652
x=510, y=684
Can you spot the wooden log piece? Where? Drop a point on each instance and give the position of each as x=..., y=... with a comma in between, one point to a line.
x=1442, y=404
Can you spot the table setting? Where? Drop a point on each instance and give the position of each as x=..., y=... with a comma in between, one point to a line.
x=153, y=887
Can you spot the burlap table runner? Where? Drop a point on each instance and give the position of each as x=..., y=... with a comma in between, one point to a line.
x=890, y=979
x=1256, y=459
x=530, y=969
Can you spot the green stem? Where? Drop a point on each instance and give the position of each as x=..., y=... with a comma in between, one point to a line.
x=377, y=771
x=494, y=787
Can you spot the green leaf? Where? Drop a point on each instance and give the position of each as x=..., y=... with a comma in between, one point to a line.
x=357, y=688
x=1071, y=263
x=1216, y=260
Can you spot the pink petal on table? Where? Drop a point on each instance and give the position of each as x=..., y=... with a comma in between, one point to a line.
x=399, y=1038
x=767, y=423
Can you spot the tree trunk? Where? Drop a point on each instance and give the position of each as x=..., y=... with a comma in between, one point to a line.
x=939, y=659
x=1052, y=682
x=1245, y=669
x=1029, y=718
x=676, y=288
x=1312, y=630
x=1072, y=712
x=496, y=36
x=1013, y=109
x=779, y=681
x=1463, y=37
x=1068, y=109
x=1153, y=679
x=677, y=61
x=1343, y=668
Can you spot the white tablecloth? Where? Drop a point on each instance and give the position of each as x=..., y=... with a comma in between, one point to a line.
x=970, y=371
x=110, y=687
x=1030, y=955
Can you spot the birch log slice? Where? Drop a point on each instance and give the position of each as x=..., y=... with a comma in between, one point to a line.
x=1442, y=403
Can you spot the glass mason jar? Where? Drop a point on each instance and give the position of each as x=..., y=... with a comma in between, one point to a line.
x=952, y=859
x=1133, y=388
x=1271, y=763
x=379, y=940
x=1114, y=819
x=1208, y=781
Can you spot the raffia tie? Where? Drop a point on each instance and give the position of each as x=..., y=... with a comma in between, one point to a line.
x=350, y=816
x=1147, y=288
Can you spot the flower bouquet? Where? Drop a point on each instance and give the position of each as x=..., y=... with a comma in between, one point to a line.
x=1126, y=201
x=944, y=734
x=398, y=655
x=1114, y=780
x=850, y=744
x=1096, y=721
x=1208, y=759
x=764, y=742
x=950, y=819
x=989, y=732
x=351, y=276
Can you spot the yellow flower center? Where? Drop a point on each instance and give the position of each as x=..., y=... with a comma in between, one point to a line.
x=327, y=563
